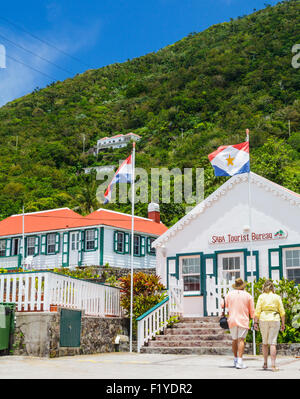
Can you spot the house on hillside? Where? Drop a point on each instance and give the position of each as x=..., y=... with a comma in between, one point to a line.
x=63, y=238
x=118, y=141
x=213, y=240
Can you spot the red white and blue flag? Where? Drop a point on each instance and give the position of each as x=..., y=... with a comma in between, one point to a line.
x=123, y=175
x=229, y=160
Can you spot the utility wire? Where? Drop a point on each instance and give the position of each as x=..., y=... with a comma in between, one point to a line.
x=36, y=55
x=44, y=41
x=28, y=66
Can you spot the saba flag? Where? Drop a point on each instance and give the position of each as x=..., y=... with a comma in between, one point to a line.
x=122, y=175
x=229, y=160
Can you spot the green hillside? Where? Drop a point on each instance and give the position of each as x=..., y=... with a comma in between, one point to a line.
x=184, y=100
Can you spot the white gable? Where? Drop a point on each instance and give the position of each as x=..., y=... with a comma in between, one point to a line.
x=226, y=212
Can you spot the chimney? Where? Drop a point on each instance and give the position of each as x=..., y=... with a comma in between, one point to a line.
x=154, y=212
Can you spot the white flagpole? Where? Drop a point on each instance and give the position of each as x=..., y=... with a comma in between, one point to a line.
x=251, y=242
x=132, y=242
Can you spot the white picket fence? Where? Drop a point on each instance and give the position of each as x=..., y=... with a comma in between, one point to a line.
x=156, y=319
x=38, y=291
x=215, y=294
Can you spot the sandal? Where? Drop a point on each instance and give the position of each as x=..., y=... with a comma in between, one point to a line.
x=265, y=366
x=274, y=368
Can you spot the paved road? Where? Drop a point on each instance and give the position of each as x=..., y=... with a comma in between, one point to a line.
x=143, y=366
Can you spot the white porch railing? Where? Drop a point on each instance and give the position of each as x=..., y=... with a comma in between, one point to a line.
x=176, y=296
x=156, y=319
x=215, y=293
x=37, y=291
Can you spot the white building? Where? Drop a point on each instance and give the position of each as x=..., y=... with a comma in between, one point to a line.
x=118, y=141
x=214, y=240
x=63, y=238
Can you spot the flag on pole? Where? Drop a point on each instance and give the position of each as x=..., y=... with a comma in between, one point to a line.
x=229, y=160
x=123, y=175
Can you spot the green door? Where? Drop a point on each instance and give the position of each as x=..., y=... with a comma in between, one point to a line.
x=70, y=328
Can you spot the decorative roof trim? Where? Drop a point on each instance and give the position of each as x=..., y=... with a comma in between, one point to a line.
x=274, y=188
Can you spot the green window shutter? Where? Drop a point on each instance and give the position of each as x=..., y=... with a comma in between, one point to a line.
x=36, y=245
x=57, y=243
x=148, y=245
x=8, y=247
x=43, y=244
x=127, y=243
x=115, y=241
x=81, y=248
x=143, y=246
x=96, y=238
x=65, y=249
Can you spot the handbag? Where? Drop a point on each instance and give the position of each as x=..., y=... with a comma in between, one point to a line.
x=223, y=320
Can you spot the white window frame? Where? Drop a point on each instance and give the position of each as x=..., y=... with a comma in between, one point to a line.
x=241, y=269
x=2, y=250
x=89, y=239
x=193, y=274
x=284, y=258
x=136, y=236
x=51, y=235
x=32, y=246
x=120, y=242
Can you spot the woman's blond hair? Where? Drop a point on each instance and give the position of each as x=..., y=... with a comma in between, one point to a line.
x=268, y=286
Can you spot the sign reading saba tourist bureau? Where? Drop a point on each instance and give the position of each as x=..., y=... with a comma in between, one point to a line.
x=235, y=238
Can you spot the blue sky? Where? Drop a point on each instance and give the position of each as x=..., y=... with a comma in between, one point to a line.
x=95, y=33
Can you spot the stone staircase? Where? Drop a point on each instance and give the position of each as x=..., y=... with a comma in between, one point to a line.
x=199, y=336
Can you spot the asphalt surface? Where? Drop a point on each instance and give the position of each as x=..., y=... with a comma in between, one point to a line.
x=115, y=366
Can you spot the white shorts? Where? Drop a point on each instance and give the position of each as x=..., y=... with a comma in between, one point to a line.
x=269, y=331
x=238, y=332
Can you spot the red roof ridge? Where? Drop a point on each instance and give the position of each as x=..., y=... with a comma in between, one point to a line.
x=122, y=213
x=48, y=210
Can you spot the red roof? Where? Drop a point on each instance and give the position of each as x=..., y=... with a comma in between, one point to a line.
x=64, y=218
x=123, y=221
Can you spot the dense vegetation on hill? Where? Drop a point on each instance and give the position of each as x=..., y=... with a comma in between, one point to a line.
x=184, y=100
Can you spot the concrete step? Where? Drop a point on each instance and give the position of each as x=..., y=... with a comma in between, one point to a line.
x=202, y=337
x=193, y=331
x=180, y=344
x=197, y=324
x=189, y=350
x=214, y=319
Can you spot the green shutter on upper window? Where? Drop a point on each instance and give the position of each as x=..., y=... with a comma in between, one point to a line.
x=43, y=244
x=8, y=247
x=81, y=248
x=65, y=249
x=96, y=238
x=57, y=243
x=143, y=245
x=115, y=241
x=127, y=243
x=36, y=245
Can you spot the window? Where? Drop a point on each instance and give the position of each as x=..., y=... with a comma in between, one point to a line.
x=31, y=246
x=292, y=263
x=231, y=267
x=90, y=239
x=137, y=245
x=51, y=243
x=151, y=251
x=75, y=241
x=120, y=242
x=2, y=247
x=191, y=274
x=15, y=246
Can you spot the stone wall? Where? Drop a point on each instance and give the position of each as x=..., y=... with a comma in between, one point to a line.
x=38, y=334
